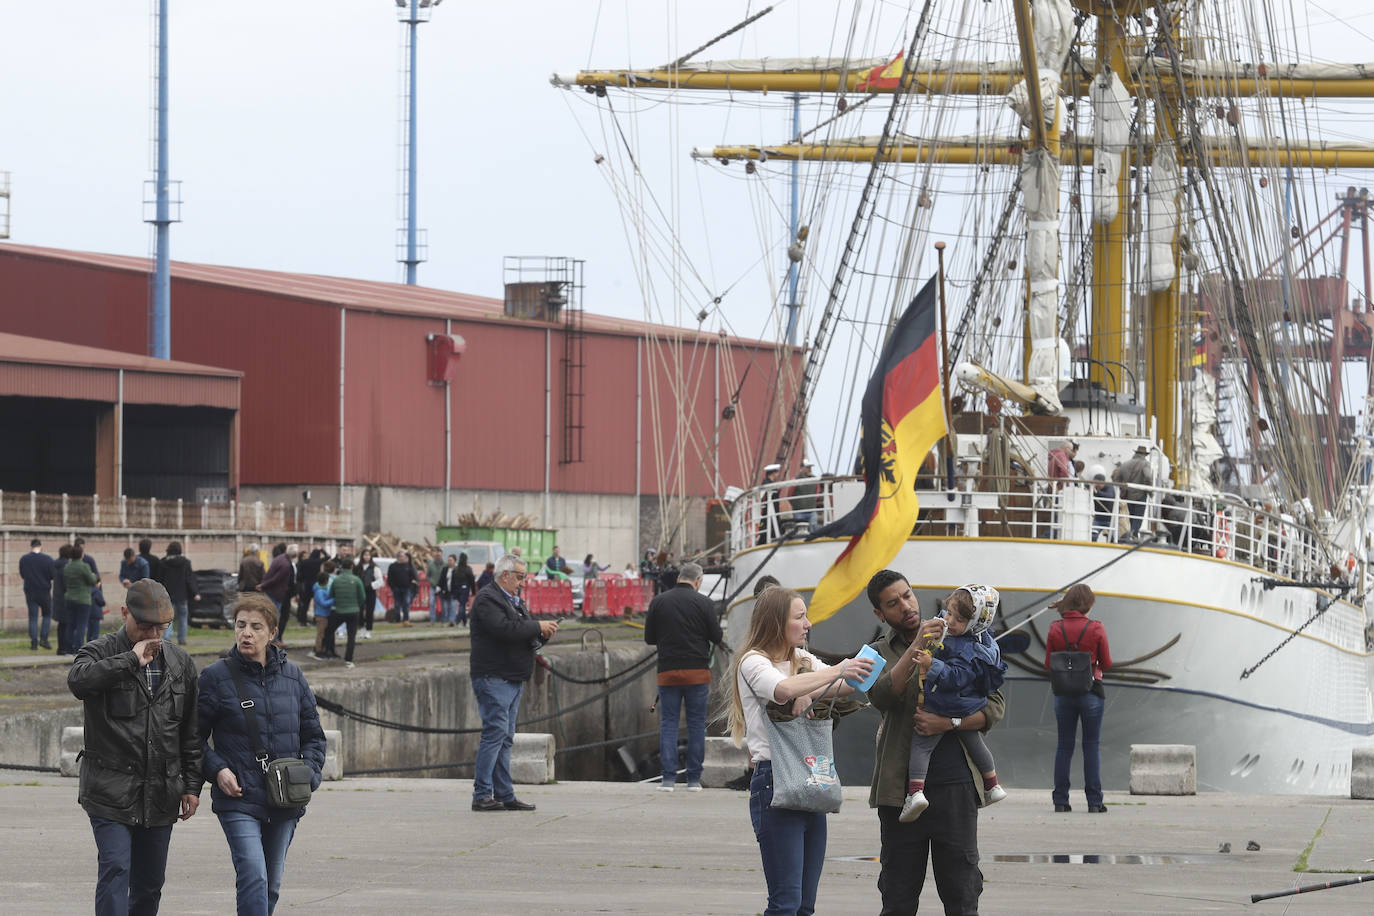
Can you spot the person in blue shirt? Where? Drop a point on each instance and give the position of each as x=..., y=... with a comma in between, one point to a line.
x=324, y=603
x=958, y=673
x=36, y=569
x=132, y=568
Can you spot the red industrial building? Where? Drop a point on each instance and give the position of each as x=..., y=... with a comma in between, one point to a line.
x=411, y=404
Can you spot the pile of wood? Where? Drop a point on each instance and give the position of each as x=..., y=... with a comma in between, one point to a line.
x=498, y=519
x=384, y=544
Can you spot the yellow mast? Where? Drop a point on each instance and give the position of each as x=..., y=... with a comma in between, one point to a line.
x=1009, y=150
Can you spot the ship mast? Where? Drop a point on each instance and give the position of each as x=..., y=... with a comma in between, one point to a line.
x=1170, y=81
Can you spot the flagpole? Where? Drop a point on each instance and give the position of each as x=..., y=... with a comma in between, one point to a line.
x=944, y=375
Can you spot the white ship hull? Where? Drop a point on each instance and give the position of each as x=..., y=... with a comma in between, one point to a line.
x=1182, y=628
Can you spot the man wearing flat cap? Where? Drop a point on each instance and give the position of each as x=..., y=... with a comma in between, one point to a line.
x=1132, y=476
x=140, y=766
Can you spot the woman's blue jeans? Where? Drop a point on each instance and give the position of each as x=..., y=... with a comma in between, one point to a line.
x=1068, y=711
x=258, y=849
x=450, y=606
x=792, y=845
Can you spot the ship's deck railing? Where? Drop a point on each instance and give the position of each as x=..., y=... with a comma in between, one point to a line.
x=1222, y=526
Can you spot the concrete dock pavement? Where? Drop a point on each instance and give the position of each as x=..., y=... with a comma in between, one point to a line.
x=408, y=846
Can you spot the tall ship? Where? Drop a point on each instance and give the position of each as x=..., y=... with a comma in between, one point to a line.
x=1157, y=243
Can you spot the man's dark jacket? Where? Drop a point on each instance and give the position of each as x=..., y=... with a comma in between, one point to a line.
x=142, y=750
x=504, y=637
x=176, y=575
x=400, y=577
x=682, y=622
x=277, y=583
x=251, y=572
x=309, y=571
x=154, y=565
x=288, y=722
x=36, y=569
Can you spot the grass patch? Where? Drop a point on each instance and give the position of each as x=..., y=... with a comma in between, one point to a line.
x=1301, y=864
x=390, y=656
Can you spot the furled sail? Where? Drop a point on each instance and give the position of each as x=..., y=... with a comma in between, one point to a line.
x=1112, y=107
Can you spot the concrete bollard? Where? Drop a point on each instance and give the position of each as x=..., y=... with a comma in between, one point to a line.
x=333, y=763
x=724, y=763
x=531, y=759
x=1362, y=772
x=1163, y=769
x=72, y=741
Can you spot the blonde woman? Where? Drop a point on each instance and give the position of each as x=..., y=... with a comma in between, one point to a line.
x=772, y=666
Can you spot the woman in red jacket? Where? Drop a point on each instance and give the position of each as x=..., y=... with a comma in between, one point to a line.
x=1075, y=631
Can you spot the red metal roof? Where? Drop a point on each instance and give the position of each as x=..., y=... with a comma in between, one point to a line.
x=18, y=349
x=368, y=295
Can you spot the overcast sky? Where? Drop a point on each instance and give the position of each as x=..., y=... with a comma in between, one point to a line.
x=284, y=130
x=284, y=134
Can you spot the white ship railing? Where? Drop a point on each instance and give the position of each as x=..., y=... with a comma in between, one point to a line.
x=1222, y=526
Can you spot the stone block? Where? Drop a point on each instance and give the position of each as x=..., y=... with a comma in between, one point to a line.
x=333, y=762
x=72, y=741
x=1362, y=772
x=724, y=763
x=531, y=759
x=1163, y=769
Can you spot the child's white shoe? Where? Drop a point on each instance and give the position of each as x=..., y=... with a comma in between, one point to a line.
x=912, y=807
x=996, y=794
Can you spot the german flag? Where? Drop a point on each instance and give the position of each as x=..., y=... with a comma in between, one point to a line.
x=903, y=416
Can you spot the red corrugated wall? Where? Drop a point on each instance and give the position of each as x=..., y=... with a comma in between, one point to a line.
x=394, y=419
x=288, y=351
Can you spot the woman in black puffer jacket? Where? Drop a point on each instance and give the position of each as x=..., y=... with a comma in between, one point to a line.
x=258, y=833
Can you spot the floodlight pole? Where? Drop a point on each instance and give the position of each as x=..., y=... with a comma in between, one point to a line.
x=412, y=20
x=161, y=344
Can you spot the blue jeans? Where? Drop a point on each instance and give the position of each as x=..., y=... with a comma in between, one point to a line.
x=39, y=606
x=670, y=701
x=78, y=621
x=498, y=701
x=792, y=844
x=132, y=866
x=178, y=621
x=450, y=606
x=1068, y=710
x=93, y=623
x=258, y=849
x=402, y=605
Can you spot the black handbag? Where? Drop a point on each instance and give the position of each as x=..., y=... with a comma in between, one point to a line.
x=1071, y=671
x=287, y=778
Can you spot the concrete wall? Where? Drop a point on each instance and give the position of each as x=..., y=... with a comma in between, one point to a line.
x=439, y=696
x=600, y=524
x=206, y=550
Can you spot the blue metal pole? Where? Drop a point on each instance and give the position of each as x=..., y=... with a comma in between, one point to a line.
x=412, y=261
x=794, y=268
x=162, y=284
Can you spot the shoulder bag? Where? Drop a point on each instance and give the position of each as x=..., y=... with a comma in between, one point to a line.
x=803, y=752
x=287, y=778
x=1071, y=671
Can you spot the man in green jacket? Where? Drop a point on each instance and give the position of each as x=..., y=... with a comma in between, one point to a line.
x=947, y=833
x=349, y=595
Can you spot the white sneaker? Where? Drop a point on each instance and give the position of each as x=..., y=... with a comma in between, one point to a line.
x=367, y=634
x=665, y=788
x=693, y=787
x=351, y=665
x=912, y=807
x=996, y=794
